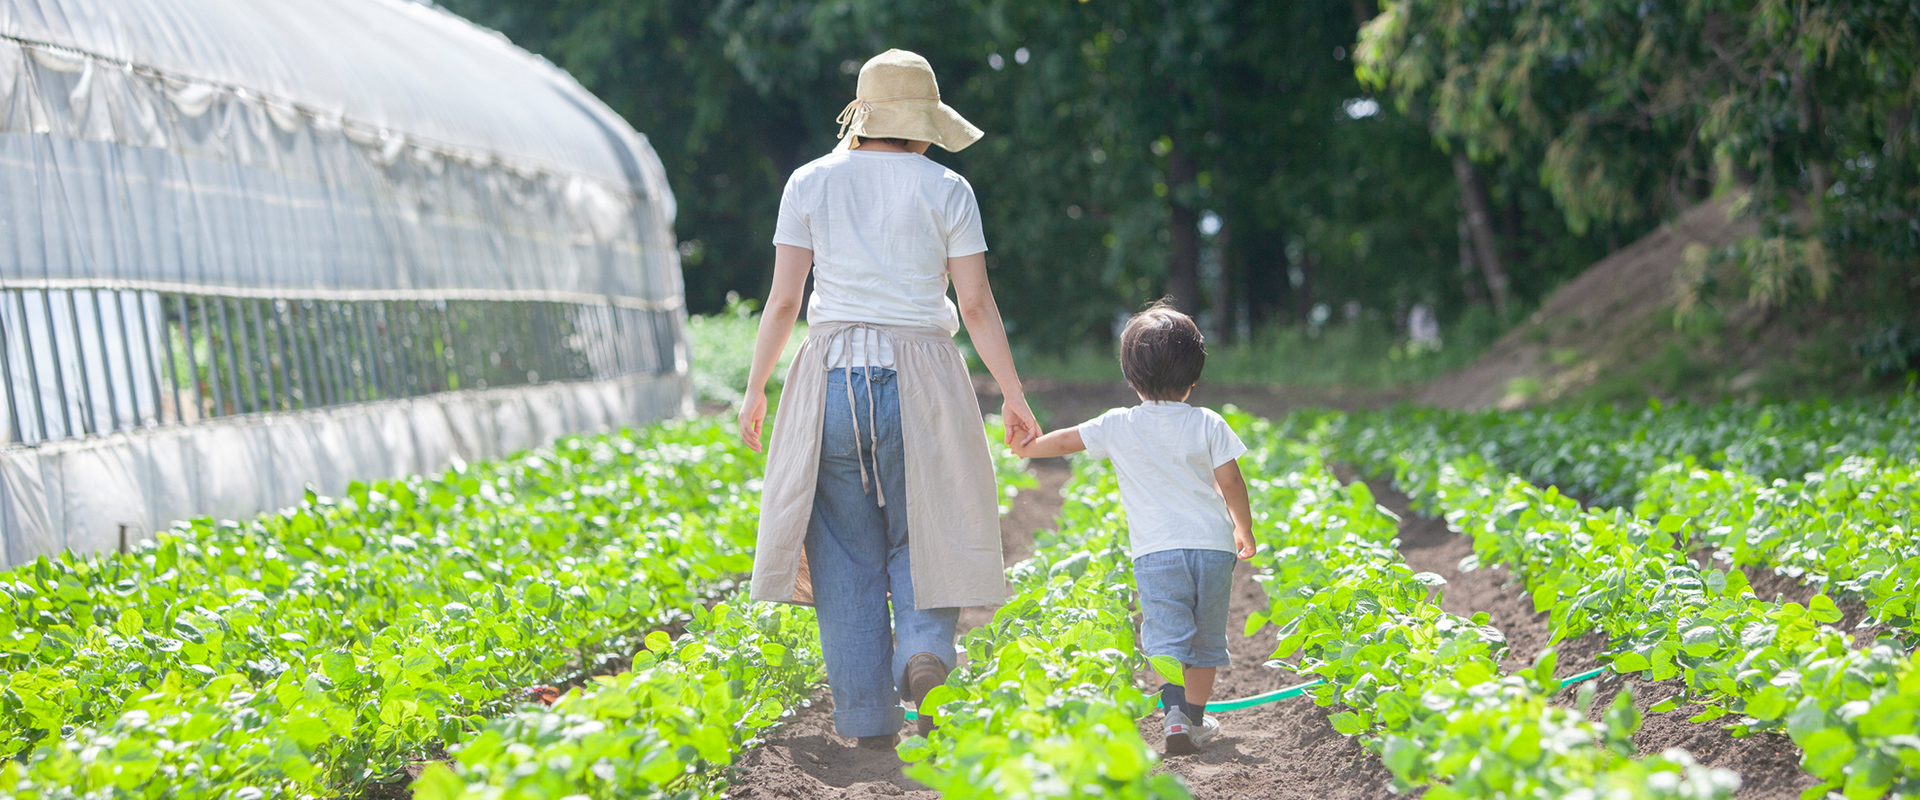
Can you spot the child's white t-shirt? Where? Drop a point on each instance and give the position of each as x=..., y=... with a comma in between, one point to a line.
x=1165, y=454
x=881, y=227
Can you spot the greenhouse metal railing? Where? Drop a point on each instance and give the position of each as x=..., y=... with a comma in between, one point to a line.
x=76, y=362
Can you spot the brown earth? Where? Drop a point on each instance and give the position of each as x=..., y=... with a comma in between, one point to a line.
x=1768, y=763
x=1608, y=317
x=1285, y=749
x=805, y=758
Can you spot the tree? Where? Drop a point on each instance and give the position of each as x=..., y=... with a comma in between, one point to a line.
x=1627, y=111
x=1113, y=128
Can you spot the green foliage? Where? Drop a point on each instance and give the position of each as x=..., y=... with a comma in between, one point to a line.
x=1422, y=686
x=1599, y=453
x=669, y=725
x=1851, y=529
x=722, y=346
x=1363, y=352
x=1111, y=127
x=1625, y=110
x=325, y=646
x=1765, y=664
x=1045, y=705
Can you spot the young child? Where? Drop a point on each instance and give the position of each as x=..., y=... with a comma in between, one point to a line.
x=1186, y=505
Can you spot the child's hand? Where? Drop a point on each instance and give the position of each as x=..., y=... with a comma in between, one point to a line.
x=1243, y=543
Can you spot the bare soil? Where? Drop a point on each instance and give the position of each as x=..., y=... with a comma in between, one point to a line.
x=1603, y=320
x=805, y=758
x=1768, y=763
x=1279, y=750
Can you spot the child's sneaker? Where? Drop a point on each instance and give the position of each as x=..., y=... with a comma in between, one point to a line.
x=1184, y=737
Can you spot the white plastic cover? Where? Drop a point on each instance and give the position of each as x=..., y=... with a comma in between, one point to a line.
x=81, y=494
x=342, y=148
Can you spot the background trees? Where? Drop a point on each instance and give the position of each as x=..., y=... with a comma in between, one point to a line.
x=1226, y=151
x=1631, y=109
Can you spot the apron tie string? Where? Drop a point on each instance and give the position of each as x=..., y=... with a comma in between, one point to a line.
x=870, y=340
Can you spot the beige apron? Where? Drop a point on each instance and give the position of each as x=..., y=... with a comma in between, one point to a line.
x=953, y=510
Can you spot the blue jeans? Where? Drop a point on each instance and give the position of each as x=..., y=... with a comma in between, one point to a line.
x=857, y=553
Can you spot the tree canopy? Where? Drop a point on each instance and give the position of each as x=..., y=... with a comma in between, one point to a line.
x=1235, y=153
x=1632, y=109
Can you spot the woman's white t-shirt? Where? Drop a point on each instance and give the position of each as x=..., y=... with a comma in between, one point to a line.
x=881, y=227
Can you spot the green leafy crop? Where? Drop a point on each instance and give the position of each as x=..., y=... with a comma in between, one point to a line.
x=1423, y=687
x=325, y=646
x=1766, y=665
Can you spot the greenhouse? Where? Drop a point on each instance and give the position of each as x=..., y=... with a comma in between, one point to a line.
x=251, y=249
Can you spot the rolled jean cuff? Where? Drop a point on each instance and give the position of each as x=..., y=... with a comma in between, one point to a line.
x=1198, y=658
x=859, y=722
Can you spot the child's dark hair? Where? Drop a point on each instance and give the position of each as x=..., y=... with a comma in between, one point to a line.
x=1162, y=352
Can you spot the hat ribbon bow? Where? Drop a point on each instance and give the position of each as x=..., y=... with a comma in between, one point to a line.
x=857, y=111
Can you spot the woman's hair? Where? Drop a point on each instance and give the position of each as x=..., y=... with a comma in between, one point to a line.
x=892, y=140
x=1162, y=352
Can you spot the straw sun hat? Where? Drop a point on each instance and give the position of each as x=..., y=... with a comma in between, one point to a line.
x=897, y=97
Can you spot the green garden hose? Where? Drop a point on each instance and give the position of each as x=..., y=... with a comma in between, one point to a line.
x=1296, y=691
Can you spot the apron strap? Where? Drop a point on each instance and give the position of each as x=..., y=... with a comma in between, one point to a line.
x=870, y=340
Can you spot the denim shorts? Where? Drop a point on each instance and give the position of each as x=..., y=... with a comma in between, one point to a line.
x=1183, y=603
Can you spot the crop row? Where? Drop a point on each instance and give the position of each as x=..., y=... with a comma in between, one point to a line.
x=1769, y=665
x=1421, y=686
x=668, y=727
x=322, y=647
x=1848, y=527
x=1852, y=529
x=1046, y=704
x=1600, y=453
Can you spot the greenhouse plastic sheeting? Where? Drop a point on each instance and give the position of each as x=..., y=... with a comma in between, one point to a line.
x=291, y=148
x=78, y=495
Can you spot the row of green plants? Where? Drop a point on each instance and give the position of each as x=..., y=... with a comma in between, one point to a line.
x=1764, y=665
x=1046, y=704
x=667, y=727
x=1849, y=529
x=1845, y=524
x=1422, y=687
x=321, y=648
x=1600, y=453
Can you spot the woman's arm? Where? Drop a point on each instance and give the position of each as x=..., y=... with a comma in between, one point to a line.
x=989, y=334
x=790, y=267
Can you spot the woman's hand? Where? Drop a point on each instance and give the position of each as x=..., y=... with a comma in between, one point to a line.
x=753, y=411
x=790, y=267
x=1018, y=420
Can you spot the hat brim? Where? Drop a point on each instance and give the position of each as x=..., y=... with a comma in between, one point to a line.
x=919, y=120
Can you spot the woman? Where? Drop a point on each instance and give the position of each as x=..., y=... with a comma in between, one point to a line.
x=879, y=485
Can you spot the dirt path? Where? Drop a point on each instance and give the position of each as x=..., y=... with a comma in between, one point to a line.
x=1768, y=763
x=1285, y=750
x=806, y=759
x=1279, y=750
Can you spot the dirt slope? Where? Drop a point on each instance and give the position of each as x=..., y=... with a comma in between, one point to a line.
x=1598, y=322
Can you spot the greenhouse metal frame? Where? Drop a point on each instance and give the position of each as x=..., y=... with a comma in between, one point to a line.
x=255, y=248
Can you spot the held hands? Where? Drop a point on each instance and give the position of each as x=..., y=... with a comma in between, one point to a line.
x=753, y=412
x=1021, y=427
x=1018, y=419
